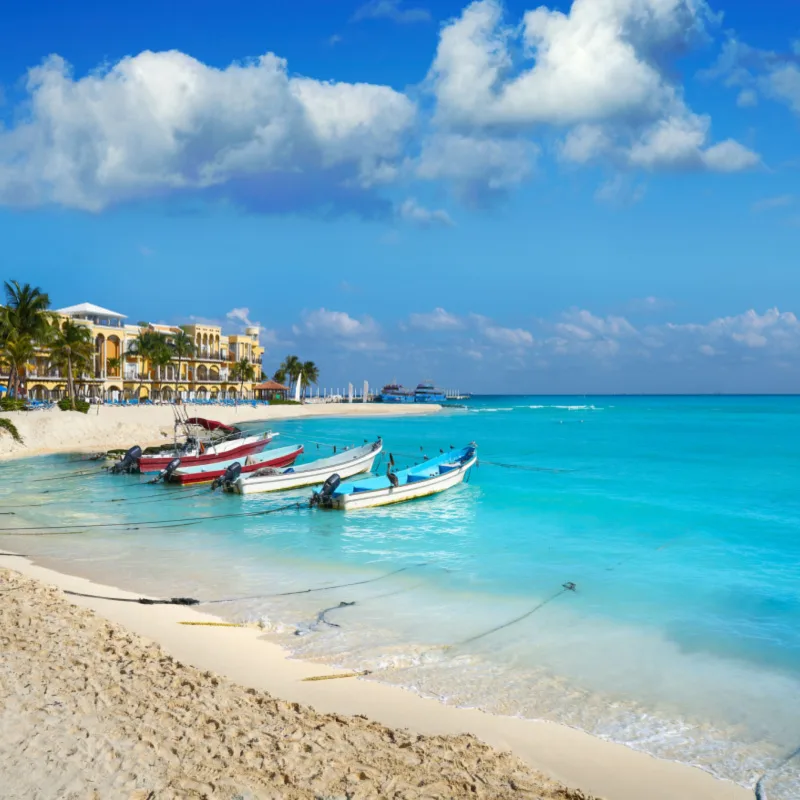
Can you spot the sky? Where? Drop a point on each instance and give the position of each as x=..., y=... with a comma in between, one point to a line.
x=585, y=196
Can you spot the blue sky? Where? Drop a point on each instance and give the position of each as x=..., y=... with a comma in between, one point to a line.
x=587, y=196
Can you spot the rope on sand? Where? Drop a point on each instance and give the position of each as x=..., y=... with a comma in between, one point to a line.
x=339, y=675
x=215, y=624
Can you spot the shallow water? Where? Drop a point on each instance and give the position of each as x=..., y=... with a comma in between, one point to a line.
x=677, y=519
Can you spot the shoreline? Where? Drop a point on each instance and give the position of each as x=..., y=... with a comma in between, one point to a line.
x=568, y=755
x=107, y=427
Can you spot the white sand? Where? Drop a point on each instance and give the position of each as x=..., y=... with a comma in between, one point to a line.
x=106, y=427
x=352, y=746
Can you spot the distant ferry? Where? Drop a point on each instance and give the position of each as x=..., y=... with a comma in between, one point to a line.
x=426, y=392
x=395, y=393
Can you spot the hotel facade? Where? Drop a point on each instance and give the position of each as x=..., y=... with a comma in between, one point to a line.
x=119, y=374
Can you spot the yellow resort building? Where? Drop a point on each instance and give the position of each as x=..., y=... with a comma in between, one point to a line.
x=119, y=374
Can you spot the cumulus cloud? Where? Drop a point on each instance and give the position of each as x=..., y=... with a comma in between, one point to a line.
x=604, y=59
x=604, y=67
x=393, y=10
x=436, y=320
x=161, y=122
x=411, y=211
x=480, y=168
x=339, y=328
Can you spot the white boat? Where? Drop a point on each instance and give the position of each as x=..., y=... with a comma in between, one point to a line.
x=345, y=465
x=431, y=477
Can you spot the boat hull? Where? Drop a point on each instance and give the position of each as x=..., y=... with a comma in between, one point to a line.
x=211, y=473
x=401, y=494
x=278, y=483
x=157, y=463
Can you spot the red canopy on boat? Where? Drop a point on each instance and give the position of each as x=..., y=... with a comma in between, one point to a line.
x=211, y=424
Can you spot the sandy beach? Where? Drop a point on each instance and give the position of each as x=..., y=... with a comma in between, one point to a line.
x=106, y=427
x=116, y=699
x=93, y=710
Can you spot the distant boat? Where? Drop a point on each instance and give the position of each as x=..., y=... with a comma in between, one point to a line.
x=346, y=464
x=426, y=392
x=395, y=393
x=431, y=477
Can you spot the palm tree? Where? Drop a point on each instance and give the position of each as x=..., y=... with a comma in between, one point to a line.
x=160, y=358
x=18, y=351
x=113, y=364
x=25, y=316
x=182, y=347
x=72, y=347
x=146, y=346
x=243, y=371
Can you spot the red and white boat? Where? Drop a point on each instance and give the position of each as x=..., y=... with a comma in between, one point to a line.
x=229, y=442
x=205, y=473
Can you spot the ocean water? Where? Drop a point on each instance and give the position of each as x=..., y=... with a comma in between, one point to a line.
x=677, y=518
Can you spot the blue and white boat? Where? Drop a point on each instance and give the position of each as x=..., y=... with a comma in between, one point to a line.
x=426, y=392
x=395, y=393
x=431, y=477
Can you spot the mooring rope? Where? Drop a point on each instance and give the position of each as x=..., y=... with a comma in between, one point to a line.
x=160, y=497
x=190, y=601
x=41, y=530
x=759, y=789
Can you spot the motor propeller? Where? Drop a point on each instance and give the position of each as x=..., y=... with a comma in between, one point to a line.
x=129, y=462
x=326, y=492
x=230, y=476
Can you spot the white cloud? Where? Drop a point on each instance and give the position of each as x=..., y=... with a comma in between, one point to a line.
x=436, y=320
x=242, y=317
x=620, y=191
x=759, y=73
x=601, y=60
x=747, y=98
x=771, y=203
x=341, y=328
x=479, y=168
x=775, y=331
x=603, y=68
x=679, y=142
x=411, y=211
x=391, y=9
x=164, y=121
x=504, y=338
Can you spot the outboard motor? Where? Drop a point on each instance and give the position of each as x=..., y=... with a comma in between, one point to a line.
x=129, y=462
x=165, y=473
x=323, y=496
x=230, y=476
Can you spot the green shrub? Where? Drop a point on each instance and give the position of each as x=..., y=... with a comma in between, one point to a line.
x=12, y=404
x=277, y=402
x=8, y=425
x=65, y=404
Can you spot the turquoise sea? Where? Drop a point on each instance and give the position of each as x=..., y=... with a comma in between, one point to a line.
x=677, y=518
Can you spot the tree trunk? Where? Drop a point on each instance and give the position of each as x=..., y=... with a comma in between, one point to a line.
x=178, y=379
x=70, y=384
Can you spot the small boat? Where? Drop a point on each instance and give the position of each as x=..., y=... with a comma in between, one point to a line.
x=206, y=473
x=194, y=452
x=431, y=477
x=270, y=479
